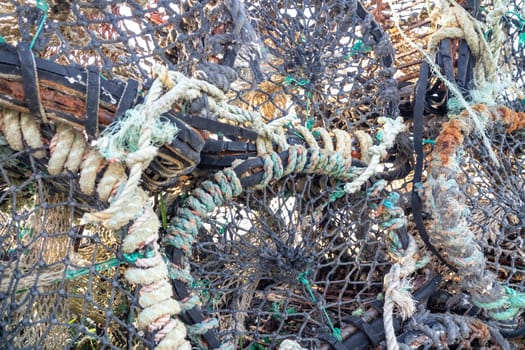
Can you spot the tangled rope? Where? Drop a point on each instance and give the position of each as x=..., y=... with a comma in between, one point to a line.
x=227, y=184
x=397, y=285
x=132, y=143
x=452, y=87
x=451, y=232
x=442, y=330
x=456, y=23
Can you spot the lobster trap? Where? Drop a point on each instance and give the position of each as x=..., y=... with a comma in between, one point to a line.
x=261, y=175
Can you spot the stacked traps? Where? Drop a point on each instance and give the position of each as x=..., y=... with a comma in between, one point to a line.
x=291, y=256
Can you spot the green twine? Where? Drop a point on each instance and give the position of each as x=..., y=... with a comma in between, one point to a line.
x=506, y=307
x=426, y=141
x=122, y=137
x=379, y=136
x=276, y=310
x=521, y=27
x=291, y=80
x=521, y=40
x=358, y=312
x=44, y=6
x=336, y=332
x=309, y=121
x=359, y=47
x=202, y=327
x=105, y=265
x=303, y=83
x=131, y=258
x=2, y=40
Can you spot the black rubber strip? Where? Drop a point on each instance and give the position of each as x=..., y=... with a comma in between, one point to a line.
x=446, y=60
x=215, y=126
x=92, y=102
x=29, y=73
x=219, y=146
x=517, y=333
x=360, y=340
x=222, y=161
x=332, y=341
x=463, y=64
x=128, y=97
x=371, y=333
x=419, y=105
x=192, y=316
x=186, y=133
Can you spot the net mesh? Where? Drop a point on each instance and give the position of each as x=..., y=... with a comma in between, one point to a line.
x=302, y=258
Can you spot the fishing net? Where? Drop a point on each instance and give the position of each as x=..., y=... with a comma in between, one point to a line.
x=252, y=175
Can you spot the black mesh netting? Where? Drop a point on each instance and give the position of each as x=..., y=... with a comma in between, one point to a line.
x=299, y=259
x=282, y=256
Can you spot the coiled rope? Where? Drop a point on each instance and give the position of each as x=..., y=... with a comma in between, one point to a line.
x=334, y=161
x=132, y=143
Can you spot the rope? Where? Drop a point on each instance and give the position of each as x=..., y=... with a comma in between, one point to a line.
x=396, y=282
x=449, y=215
x=133, y=142
x=288, y=344
x=44, y=6
x=442, y=330
x=392, y=127
x=456, y=23
x=226, y=184
x=20, y=128
x=453, y=88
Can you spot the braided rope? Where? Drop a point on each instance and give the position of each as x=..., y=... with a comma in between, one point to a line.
x=456, y=23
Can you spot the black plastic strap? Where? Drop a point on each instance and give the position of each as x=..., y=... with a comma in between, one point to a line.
x=464, y=58
x=192, y=316
x=517, y=333
x=28, y=69
x=219, y=146
x=375, y=330
x=446, y=60
x=373, y=335
x=127, y=99
x=221, y=161
x=92, y=102
x=419, y=105
x=215, y=126
x=333, y=342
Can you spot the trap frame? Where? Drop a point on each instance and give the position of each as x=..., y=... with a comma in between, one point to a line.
x=271, y=174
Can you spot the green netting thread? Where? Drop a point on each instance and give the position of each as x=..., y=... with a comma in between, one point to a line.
x=336, y=332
